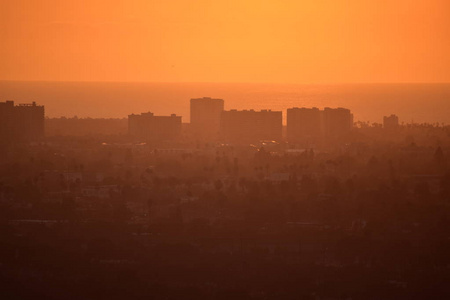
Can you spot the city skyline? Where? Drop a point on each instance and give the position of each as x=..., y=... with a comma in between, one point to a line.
x=225, y=149
x=310, y=127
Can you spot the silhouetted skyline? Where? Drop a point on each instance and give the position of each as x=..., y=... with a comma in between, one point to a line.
x=412, y=102
x=216, y=149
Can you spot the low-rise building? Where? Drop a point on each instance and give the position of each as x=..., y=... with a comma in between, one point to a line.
x=149, y=127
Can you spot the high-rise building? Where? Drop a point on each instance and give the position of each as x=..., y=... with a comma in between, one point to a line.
x=337, y=122
x=7, y=121
x=305, y=125
x=23, y=122
x=205, y=117
x=390, y=122
x=251, y=126
x=312, y=126
x=149, y=127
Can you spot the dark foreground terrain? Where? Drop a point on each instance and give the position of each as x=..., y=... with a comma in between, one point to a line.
x=102, y=218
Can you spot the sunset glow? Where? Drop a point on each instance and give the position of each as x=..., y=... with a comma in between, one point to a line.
x=225, y=41
x=225, y=149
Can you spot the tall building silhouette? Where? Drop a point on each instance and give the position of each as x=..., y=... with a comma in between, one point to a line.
x=390, y=122
x=251, y=126
x=305, y=125
x=337, y=122
x=205, y=117
x=23, y=122
x=311, y=126
x=149, y=127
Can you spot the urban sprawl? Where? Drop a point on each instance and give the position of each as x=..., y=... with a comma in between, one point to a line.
x=233, y=205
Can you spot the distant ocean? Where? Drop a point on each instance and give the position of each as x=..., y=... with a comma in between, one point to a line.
x=369, y=102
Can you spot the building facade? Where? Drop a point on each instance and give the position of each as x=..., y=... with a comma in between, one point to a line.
x=390, y=122
x=23, y=122
x=148, y=127
x=312, y=126
x=337, y=122
x=305, y=125
x=251, y=126
x=205, y=116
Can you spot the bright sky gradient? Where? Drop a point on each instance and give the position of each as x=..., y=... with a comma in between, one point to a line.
x=312, y=41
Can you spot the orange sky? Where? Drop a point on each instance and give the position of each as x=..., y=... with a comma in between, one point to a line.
x=287, y=41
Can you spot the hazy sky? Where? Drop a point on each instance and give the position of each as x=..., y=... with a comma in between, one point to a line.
x=226, y=41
